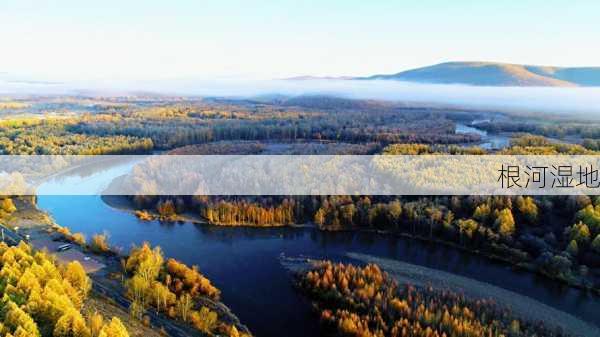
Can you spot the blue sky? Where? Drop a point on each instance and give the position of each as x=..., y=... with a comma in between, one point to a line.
x=124, y=39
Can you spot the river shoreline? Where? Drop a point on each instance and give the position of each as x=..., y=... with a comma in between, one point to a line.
x=523, y=306
x=422, y=277
x=124, y=204
x=526, y=266
x=104, y=287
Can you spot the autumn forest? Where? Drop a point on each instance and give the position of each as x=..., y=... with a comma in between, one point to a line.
x=63, y=277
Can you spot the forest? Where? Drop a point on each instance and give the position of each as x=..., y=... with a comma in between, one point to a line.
x=29, y=136
x=557, y=237
x=558, y=129
x=203, y=122
x=172, y=288
x=41, y=298
x=365, y=301
x=142, y=127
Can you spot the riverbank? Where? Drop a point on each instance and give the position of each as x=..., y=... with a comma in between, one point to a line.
x=529, y=266
x=122, y=203
x=523, y=307
x=526, y=266
x=108, y=290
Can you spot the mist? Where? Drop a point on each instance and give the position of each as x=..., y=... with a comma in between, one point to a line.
x=575, y=102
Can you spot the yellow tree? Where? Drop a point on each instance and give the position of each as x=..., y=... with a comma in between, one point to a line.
x=482, y=212
x=205, y=320
x=184, y=305
x=161, y=295
x=468, y=227
x=138, y=289
x=580, y=232
x=505, y=222
x=114, y=329
x=136, y=310
x=71, y=324
x=528, y=208
x=7, y=205
x=95, y=322
x=79, y=239
x=145, y=261
x=99, y=243
x=18, y=320
x=78, y=278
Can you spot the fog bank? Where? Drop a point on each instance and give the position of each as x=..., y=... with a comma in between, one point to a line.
x=556, y=100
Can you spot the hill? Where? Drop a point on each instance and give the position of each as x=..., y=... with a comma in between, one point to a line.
x=498, y=74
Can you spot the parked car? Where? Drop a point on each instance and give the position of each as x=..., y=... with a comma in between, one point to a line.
x=64, y=247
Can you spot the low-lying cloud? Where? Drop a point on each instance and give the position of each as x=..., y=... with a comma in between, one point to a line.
x=581, y=102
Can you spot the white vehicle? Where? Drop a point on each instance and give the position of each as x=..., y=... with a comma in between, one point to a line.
x=64, y=247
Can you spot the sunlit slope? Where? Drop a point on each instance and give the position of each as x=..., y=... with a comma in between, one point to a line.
x=498, y=74
x=582, y=76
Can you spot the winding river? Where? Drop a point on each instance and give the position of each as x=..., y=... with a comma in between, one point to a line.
x=245, y=263
x=488, y=141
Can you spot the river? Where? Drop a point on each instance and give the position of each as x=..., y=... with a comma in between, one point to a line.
x=488, y=141
x=245, y=262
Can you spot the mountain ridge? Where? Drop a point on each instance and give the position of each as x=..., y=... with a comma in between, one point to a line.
x=497, y=74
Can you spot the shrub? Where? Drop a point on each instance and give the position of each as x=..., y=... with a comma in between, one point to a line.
x=79, y=239
x=100, y=244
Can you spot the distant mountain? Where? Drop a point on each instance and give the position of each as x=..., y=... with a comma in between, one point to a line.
x=313, y=78
x=497, y=74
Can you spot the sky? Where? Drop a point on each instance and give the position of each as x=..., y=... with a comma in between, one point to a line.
x=257, y=39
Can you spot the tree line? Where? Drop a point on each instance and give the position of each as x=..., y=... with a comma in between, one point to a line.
x=558, y=236
x=365, y=301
